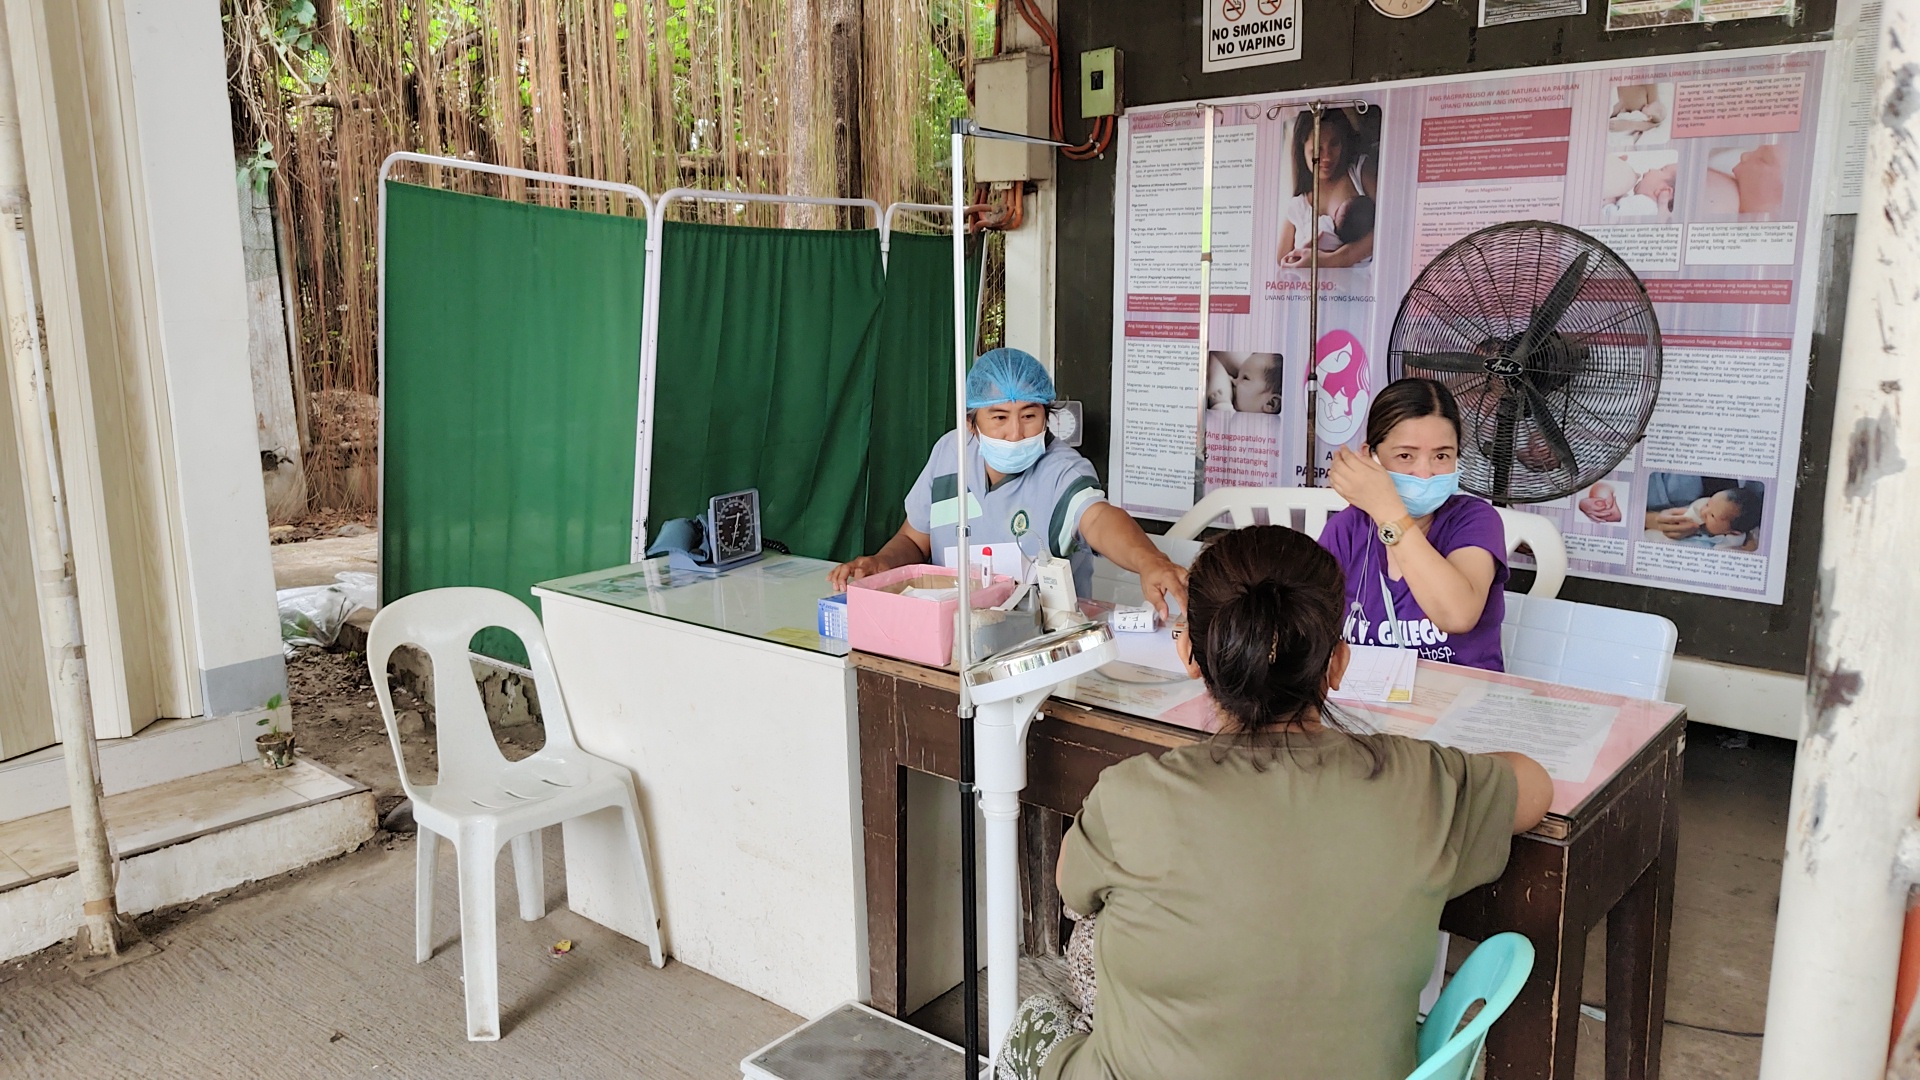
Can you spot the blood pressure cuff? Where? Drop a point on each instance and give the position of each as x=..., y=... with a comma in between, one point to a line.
x=685, y=535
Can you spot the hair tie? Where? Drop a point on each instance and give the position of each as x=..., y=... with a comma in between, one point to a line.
x=1273, y=651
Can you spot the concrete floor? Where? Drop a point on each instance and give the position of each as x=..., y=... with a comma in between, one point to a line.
x=315, y=562
x=313, y=976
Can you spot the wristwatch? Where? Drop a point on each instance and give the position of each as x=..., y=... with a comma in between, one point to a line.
x=1392, y=531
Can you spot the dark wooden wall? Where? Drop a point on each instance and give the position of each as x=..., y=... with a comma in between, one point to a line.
x=1344, y=43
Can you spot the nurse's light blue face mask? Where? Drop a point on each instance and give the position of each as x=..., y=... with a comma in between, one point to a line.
x=1009, y=458
x=1423, y=495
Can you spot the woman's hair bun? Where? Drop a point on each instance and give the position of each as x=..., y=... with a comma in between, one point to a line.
x=1263, y=615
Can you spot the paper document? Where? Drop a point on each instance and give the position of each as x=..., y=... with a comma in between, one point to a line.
x=1379, y=673
x=1155, y=650
x=1564, y=736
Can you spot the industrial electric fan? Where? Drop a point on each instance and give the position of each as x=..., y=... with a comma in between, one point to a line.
x=1550, y=346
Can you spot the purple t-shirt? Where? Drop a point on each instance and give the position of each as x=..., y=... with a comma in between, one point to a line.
x=1462, y=521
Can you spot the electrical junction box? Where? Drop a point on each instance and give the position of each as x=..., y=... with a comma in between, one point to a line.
x=1099, y=83
x=1013, y=92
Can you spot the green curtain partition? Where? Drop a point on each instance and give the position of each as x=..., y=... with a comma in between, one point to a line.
x=763, y=378
x=510, y=393
x=912, y=341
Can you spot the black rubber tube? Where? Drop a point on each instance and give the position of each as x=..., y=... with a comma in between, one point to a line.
x=969, y=910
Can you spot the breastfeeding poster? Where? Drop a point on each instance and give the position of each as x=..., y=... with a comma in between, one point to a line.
x=1699, y=174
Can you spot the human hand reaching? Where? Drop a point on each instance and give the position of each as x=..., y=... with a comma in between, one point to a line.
x=1367, y=484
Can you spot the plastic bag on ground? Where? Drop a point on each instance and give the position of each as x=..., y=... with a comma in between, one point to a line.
x=314, y=614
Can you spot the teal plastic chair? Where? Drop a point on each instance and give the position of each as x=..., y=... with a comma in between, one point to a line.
x=1493, y=974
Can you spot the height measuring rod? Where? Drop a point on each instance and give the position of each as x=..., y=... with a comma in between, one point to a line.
x=1206, y=295
x=962, y=129
x=1313, y=308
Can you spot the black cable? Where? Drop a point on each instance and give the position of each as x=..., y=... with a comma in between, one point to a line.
x=969, y=913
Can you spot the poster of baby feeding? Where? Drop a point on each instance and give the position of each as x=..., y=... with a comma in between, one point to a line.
x=1699, y=174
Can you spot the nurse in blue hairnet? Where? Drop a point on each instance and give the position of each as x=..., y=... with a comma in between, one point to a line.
x=1025, y=490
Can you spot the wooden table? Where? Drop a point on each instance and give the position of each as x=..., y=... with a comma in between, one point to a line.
x=1611, y=856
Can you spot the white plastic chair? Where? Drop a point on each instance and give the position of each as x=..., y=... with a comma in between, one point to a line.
x=1243, y=505
x=1586, y=645
x=1549, y=548
x=482, y=801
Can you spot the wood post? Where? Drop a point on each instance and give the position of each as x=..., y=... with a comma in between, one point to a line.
x=846, y=46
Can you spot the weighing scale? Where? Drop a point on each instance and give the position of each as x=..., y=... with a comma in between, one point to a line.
x=1008, y=689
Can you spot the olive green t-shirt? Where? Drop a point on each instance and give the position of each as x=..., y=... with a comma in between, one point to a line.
x=1270, y=915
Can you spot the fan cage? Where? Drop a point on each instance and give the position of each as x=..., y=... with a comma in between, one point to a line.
x=1595, y=370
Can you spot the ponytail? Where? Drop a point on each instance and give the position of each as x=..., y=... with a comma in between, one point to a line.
x=1264, y=620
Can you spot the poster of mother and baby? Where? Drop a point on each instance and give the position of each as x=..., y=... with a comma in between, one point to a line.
x=1701, y=175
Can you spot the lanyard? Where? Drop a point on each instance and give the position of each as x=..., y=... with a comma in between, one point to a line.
x=1392, y=629
x=1389, y=634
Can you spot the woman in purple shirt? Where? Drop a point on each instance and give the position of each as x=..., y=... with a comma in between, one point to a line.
x=1425, y=565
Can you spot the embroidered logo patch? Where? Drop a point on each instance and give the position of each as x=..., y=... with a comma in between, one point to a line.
x=1020, y=523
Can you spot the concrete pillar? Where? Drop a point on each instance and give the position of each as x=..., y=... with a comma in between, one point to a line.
x=1856, y=783
x=175, y=53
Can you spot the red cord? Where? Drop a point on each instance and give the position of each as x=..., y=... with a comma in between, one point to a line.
x=1101, y=137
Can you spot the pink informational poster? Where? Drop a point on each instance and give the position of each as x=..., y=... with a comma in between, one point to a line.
x=1704, y=175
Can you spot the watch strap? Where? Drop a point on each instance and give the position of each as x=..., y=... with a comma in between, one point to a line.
x=1392, y=532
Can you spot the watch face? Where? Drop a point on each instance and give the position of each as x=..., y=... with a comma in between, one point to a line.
x=736, y=526
x=1401, y=9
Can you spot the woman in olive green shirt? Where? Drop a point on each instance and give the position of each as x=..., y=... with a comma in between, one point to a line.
x=1268, y=902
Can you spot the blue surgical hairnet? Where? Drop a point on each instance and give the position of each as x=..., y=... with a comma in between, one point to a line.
x=1003, y=375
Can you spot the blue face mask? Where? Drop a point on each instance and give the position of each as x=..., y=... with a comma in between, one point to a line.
x=1009, y=458
x=1424, y=495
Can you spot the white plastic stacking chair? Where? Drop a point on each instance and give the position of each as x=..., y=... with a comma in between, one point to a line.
x=1549, y=548
x=482, y=801
x=1241, y=506
x=1590, y=646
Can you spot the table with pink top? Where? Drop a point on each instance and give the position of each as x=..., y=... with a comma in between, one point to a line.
x=1606, y=850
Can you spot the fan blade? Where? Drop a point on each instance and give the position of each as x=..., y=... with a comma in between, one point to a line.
x=1551, y=310
x=1454, y=362
x=1549, y=427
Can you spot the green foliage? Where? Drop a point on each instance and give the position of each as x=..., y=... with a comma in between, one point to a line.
x=256, y=170
x=270, y=721
x=946, y=91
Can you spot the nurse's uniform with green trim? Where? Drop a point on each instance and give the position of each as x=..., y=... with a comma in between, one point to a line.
x=1037, y=511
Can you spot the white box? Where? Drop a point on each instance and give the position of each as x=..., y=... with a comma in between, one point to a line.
x=1013, y=92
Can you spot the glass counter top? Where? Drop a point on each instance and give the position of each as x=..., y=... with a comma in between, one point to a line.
x=775, y=599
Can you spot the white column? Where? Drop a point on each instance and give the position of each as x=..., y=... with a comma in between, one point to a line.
x=1856, y=784
x=1029, y=249
x=1030, y=277
x=185, y=155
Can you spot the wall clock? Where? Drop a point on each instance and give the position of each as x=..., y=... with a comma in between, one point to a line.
x=1400, y=9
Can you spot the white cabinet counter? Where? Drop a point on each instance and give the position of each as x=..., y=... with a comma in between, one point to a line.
x=738, y=722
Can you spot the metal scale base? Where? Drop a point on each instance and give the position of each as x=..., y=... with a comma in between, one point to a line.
x=854, y=1042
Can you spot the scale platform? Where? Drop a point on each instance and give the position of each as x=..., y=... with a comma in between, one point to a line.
x=854, y=1042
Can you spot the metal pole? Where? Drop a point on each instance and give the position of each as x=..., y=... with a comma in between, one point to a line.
x=1856, y=780
x=963, y=638
x=101, y=933
x=1206, y=295
x=1313, y=309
